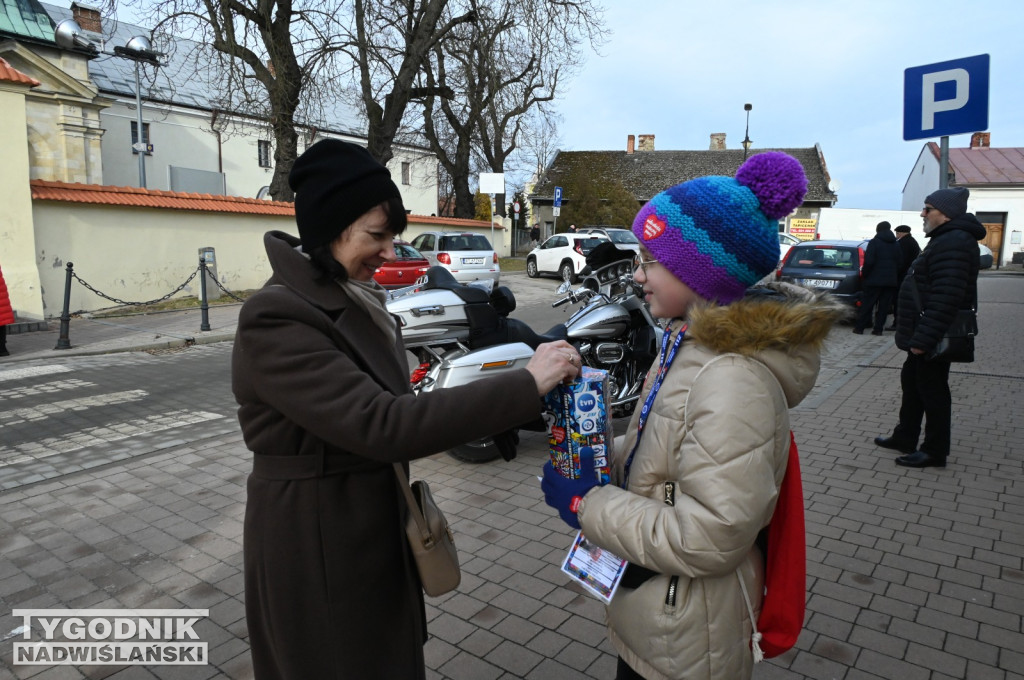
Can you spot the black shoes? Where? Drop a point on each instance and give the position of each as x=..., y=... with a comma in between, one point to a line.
x=894, y=444
x=876, y=332
x=858, y=331
x=920, y=459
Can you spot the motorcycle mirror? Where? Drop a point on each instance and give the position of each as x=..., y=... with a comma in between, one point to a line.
x=564, y=288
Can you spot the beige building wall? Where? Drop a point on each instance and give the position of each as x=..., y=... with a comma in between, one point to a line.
x=141, y=254
x=62, y=114
x=16, y=233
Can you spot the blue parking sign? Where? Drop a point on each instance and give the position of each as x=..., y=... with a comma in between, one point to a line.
x=947, y=98
x=558, y=197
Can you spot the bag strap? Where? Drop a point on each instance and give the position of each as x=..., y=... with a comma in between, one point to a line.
x=414, y=507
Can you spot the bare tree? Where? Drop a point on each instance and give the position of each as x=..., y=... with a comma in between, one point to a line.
x=508, y=62
x=288, y=61
x=390, y=46
x=277, y=61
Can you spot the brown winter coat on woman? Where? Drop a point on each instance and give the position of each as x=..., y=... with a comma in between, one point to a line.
x=331, y=591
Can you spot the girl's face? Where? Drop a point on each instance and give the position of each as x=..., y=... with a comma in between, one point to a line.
x=366, y=244
x=668, y=297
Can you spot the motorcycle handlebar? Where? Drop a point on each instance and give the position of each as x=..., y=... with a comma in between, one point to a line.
x=574, y=296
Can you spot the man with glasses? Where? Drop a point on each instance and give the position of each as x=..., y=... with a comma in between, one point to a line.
x=941, y=281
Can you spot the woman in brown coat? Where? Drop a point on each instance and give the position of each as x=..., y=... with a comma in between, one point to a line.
x=320, y=374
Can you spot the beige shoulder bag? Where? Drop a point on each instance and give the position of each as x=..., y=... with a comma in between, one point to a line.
x=430, y=538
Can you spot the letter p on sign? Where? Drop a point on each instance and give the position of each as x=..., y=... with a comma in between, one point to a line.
x=948, y=98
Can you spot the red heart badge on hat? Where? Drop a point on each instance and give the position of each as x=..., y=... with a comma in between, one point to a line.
x=654, y=227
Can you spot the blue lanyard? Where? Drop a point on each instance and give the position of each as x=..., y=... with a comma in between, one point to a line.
x=666, y=357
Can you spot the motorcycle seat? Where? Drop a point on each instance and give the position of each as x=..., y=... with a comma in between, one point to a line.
x=518, y=331
x=439, y=278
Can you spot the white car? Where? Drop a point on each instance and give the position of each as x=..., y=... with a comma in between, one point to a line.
x=563, y=255
x=467, y=255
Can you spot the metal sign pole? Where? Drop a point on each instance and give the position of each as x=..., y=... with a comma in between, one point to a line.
x=944, y=162
x=141, y=149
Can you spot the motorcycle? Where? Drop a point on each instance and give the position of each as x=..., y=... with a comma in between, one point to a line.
x=461, y=333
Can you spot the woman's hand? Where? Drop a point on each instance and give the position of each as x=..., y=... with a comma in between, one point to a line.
x=552, y=363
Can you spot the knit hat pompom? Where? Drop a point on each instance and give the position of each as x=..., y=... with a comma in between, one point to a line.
x=777, y=180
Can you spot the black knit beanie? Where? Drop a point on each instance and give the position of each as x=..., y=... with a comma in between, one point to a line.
x=336, y=182
x=950, y=202
x=882, y=226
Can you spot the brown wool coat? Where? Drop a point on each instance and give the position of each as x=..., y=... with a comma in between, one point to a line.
x=330, y=587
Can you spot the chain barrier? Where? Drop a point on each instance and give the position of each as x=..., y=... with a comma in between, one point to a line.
x=64, y=342
x=221, y=286
x=126, y=303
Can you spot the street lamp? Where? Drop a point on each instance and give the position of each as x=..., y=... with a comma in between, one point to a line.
x=746, y=134
x=68, y=34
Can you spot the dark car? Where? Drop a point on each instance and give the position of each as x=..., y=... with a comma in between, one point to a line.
x=408, y=266
x=833, y=266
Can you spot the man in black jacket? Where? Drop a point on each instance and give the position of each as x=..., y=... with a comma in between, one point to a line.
x=910, y=249
x=944, y=278
x=880, y=277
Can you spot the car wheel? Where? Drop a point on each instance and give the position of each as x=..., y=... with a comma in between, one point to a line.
x=566, y=272
x=531, y=268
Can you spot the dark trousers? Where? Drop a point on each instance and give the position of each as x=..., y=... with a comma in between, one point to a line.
x=925, y=395
x=624, y=672
x=879, y=300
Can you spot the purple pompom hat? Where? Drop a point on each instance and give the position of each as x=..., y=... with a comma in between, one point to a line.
x=720, y=235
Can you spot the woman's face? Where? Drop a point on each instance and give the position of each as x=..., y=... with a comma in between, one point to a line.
x=668, y=297
x=365, y=245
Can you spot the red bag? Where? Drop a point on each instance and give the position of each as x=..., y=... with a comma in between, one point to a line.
x=785, y=576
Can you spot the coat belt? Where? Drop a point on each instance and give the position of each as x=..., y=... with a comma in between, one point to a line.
x=310, y=466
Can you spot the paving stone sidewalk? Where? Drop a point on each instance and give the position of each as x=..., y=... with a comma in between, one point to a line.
x=912, y=574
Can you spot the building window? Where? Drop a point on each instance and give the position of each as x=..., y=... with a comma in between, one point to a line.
x=145, y=137
x=264, y=153
x=406, y=172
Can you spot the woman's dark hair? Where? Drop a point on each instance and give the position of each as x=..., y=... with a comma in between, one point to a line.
x=330, y=268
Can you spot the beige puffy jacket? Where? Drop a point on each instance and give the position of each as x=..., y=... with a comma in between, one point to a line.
x=719, y=431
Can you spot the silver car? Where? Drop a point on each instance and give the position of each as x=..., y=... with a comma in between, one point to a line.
x=467, y=255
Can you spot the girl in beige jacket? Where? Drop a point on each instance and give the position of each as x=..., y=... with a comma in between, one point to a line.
x=697, y=474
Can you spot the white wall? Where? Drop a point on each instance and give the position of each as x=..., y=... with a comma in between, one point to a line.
x=1009, y=201
x=854, y=223
x=140, y=254
x=185, y=138
x=923, y=180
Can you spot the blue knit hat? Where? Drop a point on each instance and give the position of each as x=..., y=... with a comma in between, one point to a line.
x=720, y=235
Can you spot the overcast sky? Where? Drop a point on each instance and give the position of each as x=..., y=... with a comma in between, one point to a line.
x=815, y=72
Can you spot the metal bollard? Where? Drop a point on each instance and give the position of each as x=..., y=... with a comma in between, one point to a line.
x=64, y=342
x=204, y=324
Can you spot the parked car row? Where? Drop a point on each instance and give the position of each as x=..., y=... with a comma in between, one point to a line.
x=565, y=255
x=835, y=266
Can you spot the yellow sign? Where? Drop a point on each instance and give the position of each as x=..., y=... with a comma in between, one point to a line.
x=803, y=228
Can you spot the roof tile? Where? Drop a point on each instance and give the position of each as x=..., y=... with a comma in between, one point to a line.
x=645, y=173
x=97, y=194
x=9, y=74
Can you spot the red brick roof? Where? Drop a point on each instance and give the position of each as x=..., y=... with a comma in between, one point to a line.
x=43, y=190
x=67, y=192
x=985, y=165
x=9, y=74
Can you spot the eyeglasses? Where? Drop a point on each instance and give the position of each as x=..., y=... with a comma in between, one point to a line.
x=644, y=264
x=927, y=209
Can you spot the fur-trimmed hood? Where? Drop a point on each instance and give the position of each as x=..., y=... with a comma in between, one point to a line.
x=781, y=325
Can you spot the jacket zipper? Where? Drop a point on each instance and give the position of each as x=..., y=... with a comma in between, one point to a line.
x=673, y=582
